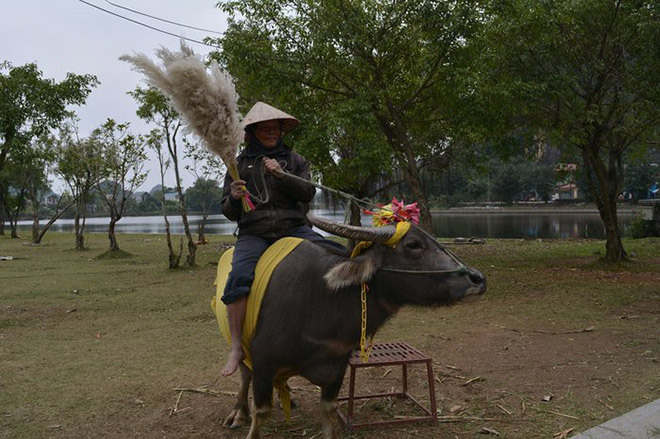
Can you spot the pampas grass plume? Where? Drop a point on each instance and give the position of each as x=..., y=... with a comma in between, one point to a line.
x=205, y=97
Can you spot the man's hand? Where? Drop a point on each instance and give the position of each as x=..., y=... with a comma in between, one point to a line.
x=238, y=189
x=273, y=166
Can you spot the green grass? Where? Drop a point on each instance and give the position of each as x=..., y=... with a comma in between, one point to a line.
x=91, y=345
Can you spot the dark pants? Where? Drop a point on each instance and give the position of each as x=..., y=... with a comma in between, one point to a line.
x=249, y=249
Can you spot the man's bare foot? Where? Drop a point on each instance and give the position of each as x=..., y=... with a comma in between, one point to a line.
x=235, y=358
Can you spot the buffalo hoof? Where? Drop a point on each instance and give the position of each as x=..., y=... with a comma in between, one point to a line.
x=237, y=418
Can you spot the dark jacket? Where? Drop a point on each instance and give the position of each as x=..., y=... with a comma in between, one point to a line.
x=286, y=207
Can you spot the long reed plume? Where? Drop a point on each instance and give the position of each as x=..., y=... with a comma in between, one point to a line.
x=204, y=96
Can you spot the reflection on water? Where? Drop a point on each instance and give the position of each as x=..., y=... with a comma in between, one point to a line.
x=215, y=224
x=445, y=224
x=522, y=225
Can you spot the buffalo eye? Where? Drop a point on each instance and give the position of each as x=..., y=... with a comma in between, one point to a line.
x=414, y=244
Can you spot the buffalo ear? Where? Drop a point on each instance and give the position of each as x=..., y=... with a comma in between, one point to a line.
x=352, y=272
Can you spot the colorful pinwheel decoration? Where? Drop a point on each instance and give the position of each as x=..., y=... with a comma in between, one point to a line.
x=394, y=212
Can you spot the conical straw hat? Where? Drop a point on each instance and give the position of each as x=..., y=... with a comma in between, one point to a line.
x=261, y=112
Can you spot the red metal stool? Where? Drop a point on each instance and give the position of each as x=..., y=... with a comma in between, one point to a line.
x=390, y=354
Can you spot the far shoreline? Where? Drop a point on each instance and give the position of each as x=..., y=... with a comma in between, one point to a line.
x=491, y=208
x=533, y=208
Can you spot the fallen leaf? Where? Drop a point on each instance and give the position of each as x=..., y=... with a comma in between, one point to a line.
x=455, y=408
x=486, y=430
x=563, y=434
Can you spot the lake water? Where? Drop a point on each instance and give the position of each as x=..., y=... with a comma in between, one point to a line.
x=480, y=224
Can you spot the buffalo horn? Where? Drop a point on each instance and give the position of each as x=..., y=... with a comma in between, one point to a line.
x=372, y=234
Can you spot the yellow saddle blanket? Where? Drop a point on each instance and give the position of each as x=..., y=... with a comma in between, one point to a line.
x=265, y=267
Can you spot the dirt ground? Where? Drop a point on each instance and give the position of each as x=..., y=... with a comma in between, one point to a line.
x=493, y=379
x=556, y=346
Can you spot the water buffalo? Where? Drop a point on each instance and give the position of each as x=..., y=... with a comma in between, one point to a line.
x=310, y=317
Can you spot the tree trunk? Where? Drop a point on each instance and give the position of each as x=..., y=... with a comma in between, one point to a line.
x=412, y=174
x=201, y=238
x=35, y=221
x=33, y=192
x=192, y=247
x=114, y=246
x=13, y=222
x=173, y=260
x=2, y=214
x=604, y=187
x=400, y=141
x=13, y=225
x=58, y=214
x=356, y=214
x=78, y=228
x=354, y=220
x=614, y=251
x=201, y=229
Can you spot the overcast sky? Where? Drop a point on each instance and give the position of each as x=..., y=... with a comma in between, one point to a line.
x=70, y=36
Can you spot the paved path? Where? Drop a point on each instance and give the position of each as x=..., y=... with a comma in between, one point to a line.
x=641, y=423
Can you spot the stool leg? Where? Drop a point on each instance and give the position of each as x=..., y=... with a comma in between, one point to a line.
x=351, y=394
x=434, y=407
x=404, y=370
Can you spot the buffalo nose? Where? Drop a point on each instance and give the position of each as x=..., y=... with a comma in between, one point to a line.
x=478, y=278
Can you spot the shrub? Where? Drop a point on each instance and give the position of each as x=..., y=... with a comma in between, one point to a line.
x=640, y=228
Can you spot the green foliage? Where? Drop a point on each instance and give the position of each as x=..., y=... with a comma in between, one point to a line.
x=30, y=105
x=586, y=74
x=540, y=177
x=378, y=85
x=79, y=162
x=641, y=173
x=206, y=193
x=154, y=106
x=516, y=179
x=123, y=156
x=640, y=228
x=204, y=196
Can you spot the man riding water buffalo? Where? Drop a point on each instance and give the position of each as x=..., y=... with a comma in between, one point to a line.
x=280, y=213
x=310, y=317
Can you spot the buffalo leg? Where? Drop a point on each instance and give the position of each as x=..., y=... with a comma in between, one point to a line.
x=329, y=395
x=262, y=399
x=241, y=412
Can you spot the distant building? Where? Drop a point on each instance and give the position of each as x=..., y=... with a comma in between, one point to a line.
x=171, y=196
x=140, y=196
x=566, y=189
x=49, y=199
